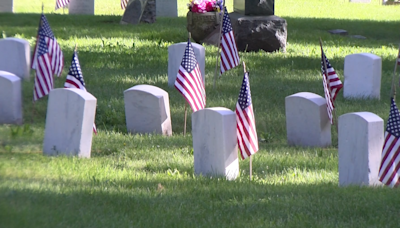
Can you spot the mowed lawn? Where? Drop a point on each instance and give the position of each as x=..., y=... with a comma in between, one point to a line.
x=148, y=180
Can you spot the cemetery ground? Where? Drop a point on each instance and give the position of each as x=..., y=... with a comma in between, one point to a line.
x=148, y=180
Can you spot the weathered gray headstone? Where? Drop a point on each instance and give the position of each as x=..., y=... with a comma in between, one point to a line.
x=15, y=56
x=6, y=6
x=254, y=7
x=362, y=76
x=215, y=143
x=175, y=55
x=10, y=98
x=307, y=121
x=69, y=123
x=203, y=25
x=81, y=7
x=167, y=8
x=360, y=148
x=147, y=110
x=139, y=11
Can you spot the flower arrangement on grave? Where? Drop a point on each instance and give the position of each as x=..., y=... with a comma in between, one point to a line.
x=204, y=6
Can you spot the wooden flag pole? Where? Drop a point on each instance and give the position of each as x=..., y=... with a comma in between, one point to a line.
x=219, y=42
x=329, y=88
x=393, y=89
x=251, y=160
x=42, y=7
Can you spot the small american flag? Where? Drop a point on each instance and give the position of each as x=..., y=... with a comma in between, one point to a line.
x=47, y=49
x=331, y=83
x=245, y=122
x=189, y=81
x=229, y=53
x=75, y=78
x=124, y=4
x=61, y=3
x=390, y=162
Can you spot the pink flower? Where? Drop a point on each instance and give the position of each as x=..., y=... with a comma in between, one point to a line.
x=209, y=6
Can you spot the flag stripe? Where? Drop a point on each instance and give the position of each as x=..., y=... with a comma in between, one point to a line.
x=61, y=3
x=229, y=53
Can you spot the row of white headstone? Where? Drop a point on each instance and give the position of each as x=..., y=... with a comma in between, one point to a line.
x=164, y=8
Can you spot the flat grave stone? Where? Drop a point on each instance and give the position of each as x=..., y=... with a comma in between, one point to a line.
x=15, y=56
x=338, y=32
x=147, y=110
x=360, y=148
x=307, y=121
x=6, y=6
x=175, y=55
x=81, y=7
x=362, y=76
x=215, y=143
x=10, y=98
x=167, y=8
x=69, y=123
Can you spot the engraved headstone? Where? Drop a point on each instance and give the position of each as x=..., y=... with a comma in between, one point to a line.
x=307, y=121
x=167, y=8
x=215, y=143
x=81, y=7
x=10, y=98
x=6, y=6
x=175, y=55
x=69, y=123
x=15, y=56
x=254, y=7
x=360, y=147
x=139, y=11
x=147, y=110
x=362, y=76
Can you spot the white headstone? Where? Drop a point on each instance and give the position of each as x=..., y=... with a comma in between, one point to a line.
x=81, y=7
x=15, y=56
x=215, y=143
x=10, y=98
x=175, y=55
x=307, y=121
x=167, y=8
x=360, y=148
x=147, y=110
x=6, y=6
x=69, y=123
x=362, y=76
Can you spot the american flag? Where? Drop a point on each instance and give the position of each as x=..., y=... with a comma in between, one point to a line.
x=189, y=81
x=47, y=55
x=124, y=4
x=229, y=53
x=245, y=122
x=390, y=162
x=331, y=83
x=75, y=78
x=61, y=3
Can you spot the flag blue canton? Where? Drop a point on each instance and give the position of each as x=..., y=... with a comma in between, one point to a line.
x=328, y=64
x=45, y=29
x=393, y=124
x=226, y=25
x=189, y=60
x=75, y=69
x=42, y=46
x=244, y=95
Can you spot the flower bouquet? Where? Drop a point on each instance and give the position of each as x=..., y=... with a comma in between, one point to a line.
x=203, y=6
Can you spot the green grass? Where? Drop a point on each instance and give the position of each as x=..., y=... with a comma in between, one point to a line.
x=148, y=180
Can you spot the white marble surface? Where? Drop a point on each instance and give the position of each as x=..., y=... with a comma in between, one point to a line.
x=307, y=121
x=167, y=8
x=69, y=123
x=147, y=110
x=15, y=56
x=215, y=143
x=6, y=6
x=360, y=148
x=175, y=55
x=10, y=98
x=81, y=7
x=362, y=76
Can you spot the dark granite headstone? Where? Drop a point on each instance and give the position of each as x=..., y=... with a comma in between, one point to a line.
x=139, y=11
x=254, y=7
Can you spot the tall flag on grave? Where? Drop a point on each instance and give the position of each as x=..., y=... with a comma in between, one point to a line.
x=124, y=4
x=245, y=122
x=390, y=162
x=331, y=82
x=229, y=53
x=61, y=3
x=189, y=81
x=47, y=59
x=75, y=78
